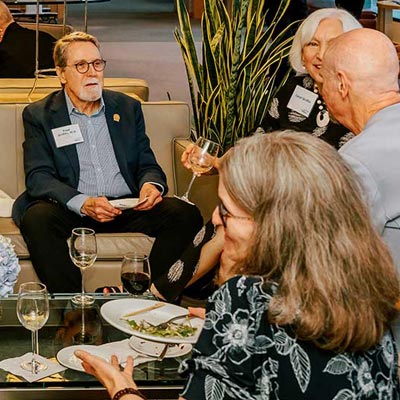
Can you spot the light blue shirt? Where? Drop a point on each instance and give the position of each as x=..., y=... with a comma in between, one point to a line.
x=99, y=171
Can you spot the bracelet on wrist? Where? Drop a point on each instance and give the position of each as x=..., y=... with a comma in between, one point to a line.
x=128, y=390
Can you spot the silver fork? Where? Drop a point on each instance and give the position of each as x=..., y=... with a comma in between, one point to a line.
x=163, y=325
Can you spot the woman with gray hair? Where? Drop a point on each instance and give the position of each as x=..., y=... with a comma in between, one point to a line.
x=305, y=312
x=299, y=105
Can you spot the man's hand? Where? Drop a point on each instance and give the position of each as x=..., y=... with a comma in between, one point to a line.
x=100, y=209
x=152, y=194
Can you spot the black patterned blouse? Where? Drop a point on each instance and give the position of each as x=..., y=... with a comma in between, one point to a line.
x=240, y=355
x=281, y=117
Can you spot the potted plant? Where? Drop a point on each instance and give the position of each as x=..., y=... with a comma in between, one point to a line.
x=233, y=81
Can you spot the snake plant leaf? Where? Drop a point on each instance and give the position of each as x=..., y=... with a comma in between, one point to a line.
x=233, y=84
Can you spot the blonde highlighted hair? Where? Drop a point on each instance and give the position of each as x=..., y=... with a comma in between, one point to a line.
x=337, y=283
x=60, y=53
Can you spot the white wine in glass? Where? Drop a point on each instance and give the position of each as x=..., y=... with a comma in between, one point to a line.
x=83, y=253
x=201, y=158
x=33, y=313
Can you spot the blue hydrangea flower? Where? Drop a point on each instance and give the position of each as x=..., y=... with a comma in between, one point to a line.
x=9, y=266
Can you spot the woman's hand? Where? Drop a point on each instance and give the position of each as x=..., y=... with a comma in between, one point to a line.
x=185, y=156
x=186, y=163
x=198, y=312
x=109, y=374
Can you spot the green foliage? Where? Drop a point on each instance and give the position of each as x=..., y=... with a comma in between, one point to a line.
x=232, y=85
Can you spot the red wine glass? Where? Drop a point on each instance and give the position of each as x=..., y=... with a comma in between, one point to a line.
x=135, y=273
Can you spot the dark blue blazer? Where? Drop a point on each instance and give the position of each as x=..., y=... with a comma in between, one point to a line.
x=52, y=173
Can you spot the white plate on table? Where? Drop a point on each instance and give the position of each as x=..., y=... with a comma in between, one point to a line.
x=67, y=357
x=112, y=311
x=125, y=204
x=154, y=349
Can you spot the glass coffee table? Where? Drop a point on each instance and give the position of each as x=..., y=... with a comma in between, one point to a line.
x=156, y=379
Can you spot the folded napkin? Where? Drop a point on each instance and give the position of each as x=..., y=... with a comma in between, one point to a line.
x=52, y=378
x=6, y=203
x=13, y=365
x=122, y=350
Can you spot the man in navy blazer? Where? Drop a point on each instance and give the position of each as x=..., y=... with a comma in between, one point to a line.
x=84, y=146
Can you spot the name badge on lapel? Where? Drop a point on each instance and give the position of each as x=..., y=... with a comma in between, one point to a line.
x=302, y=101
x=67, y=135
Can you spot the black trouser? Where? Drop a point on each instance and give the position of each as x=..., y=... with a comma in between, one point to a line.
x=47, y=226
x=171, y=284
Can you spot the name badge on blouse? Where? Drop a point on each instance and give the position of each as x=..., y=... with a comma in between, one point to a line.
x=302, y=101
x=67, y=135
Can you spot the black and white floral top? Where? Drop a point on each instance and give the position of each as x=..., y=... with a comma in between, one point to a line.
x=281, y=117
x=241, y=356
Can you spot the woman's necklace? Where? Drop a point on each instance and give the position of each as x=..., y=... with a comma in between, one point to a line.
x=323, y=114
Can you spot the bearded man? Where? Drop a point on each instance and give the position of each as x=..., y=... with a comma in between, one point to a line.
x=83, y=147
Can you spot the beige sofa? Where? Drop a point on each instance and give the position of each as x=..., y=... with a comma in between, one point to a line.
x=21, y=87
x=164, y=122
x=55, y=30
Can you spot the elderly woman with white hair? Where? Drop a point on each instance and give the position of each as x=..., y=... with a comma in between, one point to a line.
x=299, y=104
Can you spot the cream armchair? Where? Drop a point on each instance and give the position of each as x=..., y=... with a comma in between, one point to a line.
x=164, y=122
x=56, y=30
x=12, y=90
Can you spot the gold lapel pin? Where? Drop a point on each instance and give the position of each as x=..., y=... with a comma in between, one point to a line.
x=116, y=117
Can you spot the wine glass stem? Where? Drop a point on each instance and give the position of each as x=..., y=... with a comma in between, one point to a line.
x=35, y=351
x=186, y=194
x=83, y=324
x=83, y=287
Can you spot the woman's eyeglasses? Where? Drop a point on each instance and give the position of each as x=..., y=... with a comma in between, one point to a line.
x=224, y=214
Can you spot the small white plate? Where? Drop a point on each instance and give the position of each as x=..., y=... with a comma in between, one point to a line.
x=124, y=204
x=113, y=312
x=67, y=358
x=154, y=349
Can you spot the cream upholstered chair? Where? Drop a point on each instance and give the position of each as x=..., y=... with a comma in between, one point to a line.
x=56, y=30
x=18, y=88
x=164, y=122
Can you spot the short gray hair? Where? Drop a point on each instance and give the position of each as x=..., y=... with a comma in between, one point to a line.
x=307, y=29
x=61, y=47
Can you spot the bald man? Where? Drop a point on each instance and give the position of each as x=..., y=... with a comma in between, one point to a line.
x=360, y=70
x=18, y=49
x=360, y=74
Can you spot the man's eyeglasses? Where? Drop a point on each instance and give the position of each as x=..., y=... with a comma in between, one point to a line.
x=83, y=66
x=224, y=214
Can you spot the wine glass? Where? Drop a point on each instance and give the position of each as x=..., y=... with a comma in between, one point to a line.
x=201, y=158
x=33, y=312
x=135, y=273
x=83, y=253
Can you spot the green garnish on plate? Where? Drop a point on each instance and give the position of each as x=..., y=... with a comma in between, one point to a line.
x=171, y=330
